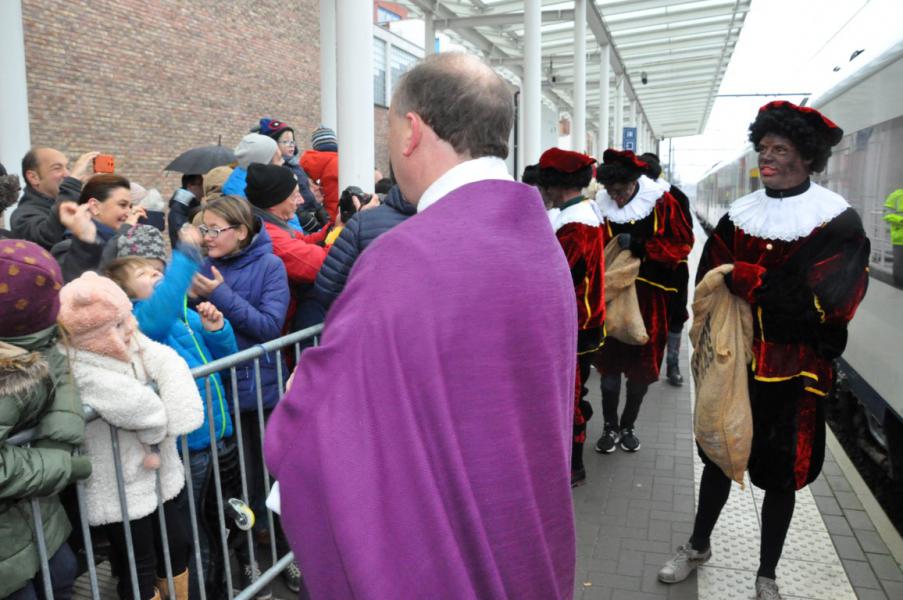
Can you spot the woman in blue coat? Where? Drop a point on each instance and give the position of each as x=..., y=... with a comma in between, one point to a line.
x=247, y=282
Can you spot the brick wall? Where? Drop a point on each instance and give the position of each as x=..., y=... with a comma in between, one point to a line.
x=381, y=137
x=145, y=80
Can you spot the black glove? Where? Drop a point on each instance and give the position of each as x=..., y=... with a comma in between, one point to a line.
x=624, y=241
x=785, y=293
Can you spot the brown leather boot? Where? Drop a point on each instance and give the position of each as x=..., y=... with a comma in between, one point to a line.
x=179, y=582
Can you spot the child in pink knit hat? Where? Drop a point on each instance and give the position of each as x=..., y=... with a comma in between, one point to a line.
x=145, y=392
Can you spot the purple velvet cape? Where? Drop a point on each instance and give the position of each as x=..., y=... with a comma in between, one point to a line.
x=423, y=450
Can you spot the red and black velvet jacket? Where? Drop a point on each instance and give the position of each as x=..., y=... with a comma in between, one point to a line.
x=578, y=229
x=803, y=293
x=664, y=238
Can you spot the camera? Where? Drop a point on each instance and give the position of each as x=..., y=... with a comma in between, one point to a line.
x=346, y=201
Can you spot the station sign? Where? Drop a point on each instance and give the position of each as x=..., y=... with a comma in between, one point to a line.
x=629, y=139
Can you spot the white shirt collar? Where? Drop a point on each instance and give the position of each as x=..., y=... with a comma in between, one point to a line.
x=635, y=210
x=469, y=171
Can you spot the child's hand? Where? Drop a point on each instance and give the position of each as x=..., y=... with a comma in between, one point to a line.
x=204, y=286
x=190, y=236
x=211, y=317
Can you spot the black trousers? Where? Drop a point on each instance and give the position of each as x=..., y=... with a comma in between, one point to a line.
x=148, y=546
x=777, y=511
x=611, y=393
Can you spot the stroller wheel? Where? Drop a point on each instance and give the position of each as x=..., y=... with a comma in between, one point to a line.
x=240, y=513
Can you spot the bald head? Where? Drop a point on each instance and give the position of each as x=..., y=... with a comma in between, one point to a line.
x=44, y=170
x=462, y=99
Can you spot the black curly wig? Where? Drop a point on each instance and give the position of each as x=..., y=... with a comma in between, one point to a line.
x=812, y=143
x=654, y=170
x=531, y=175
x=552, y=178
x=616, y=173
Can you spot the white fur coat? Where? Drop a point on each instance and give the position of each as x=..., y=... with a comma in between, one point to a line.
x=123, y=397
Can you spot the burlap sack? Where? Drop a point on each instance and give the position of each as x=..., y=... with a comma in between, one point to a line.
x=722, y=348
x=623, y=319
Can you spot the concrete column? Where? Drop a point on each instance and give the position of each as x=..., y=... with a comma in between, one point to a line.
x=354, y=19
x=15, y=135
x=641, y=136
x=578, y=127
x=604, y=100
x=617, y=137
x=532, y=81
x=429, y=34
x=328, y=114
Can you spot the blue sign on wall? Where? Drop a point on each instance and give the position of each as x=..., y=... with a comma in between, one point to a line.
x=629, y=139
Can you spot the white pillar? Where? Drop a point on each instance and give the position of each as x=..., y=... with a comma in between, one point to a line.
x=578, y=127
x=355, y=101
x=15, y=135
x=640, y=136
x=532, y=81
x=328, y=115
x=617, y=137
x=429, y=34
x=521, y=160
x=604, y=100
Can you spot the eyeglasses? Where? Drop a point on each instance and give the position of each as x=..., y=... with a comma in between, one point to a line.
x=214, y=232
x=287, y=143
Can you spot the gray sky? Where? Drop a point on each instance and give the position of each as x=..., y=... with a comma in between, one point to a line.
x=785, y=46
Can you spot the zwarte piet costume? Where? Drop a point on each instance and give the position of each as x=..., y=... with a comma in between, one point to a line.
x=660, y=236
x=800, y=259
x=577, y=224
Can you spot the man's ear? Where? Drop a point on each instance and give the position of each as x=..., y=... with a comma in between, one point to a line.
x=414, y=135
x=32, y=177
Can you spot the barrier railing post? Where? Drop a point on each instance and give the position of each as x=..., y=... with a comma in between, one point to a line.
x=217, y=481
x=192, y=509
x=263, y=464
x=38, y=519
x=242, y=468
x=164, y=539
x=123, y=506
x=86, y=535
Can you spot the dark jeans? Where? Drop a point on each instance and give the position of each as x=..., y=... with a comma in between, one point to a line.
x=611, y=392
x=148, y=546
x=62, y=567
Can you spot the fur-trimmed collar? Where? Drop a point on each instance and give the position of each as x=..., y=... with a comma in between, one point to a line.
x=585, y=212
x=638, y=208
x=20, y=371
x=786, y=219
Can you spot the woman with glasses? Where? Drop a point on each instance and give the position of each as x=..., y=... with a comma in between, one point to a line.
x=248, y=284
x=311, y=214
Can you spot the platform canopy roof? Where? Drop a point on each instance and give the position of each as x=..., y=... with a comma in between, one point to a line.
x=682, y=46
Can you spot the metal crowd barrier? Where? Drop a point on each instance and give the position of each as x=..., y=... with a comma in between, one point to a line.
x=228, y=364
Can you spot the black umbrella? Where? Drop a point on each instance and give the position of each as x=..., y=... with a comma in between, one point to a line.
x=198, y=161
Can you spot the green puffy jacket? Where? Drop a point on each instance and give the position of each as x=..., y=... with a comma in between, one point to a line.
x=35, y=392
x=894, y=204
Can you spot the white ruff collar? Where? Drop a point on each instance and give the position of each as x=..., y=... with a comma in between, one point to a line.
x=585, y=212
x=786, y=219
x=635, y=210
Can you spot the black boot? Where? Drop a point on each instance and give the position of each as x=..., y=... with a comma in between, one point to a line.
x=672, y=357
x=578, y=472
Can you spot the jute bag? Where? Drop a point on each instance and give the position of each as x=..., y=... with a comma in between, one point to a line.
x=623, y=319
x=722, y=348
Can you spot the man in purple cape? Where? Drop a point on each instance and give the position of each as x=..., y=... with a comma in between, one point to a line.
x=423, y=450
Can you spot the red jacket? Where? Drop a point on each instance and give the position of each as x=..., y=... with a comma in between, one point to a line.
x=324, y=166
x=302, y=256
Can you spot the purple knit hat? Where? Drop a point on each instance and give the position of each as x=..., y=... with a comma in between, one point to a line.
x=30, y=282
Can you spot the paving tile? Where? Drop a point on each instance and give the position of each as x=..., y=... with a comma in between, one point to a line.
x=837, y=525
x=820, y=487
x=848, y=547
x=848, y=500
x=859, y=519
x=828, y=505
x=630, y=563
x=871, y=542
x=860, y=574
x=628, y=595
x=614, y=581
x=839, y=483
x=893, y=589
x=868, y=594
x=885, y=567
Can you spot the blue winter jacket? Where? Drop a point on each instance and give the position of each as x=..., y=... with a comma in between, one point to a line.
x=361, y=229
x=166, y=318
x=255, y=298
x=236, y=184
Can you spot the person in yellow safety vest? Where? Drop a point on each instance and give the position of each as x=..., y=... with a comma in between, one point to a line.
x=894, y=216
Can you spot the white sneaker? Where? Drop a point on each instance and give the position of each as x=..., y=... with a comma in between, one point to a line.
x=683, y=563
x=767, y=589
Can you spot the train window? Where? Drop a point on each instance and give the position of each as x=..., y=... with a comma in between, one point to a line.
x=865, y=168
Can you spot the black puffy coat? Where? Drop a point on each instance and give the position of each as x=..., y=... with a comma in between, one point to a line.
x=359, y=232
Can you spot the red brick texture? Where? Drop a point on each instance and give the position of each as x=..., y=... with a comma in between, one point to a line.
x=145, y=80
